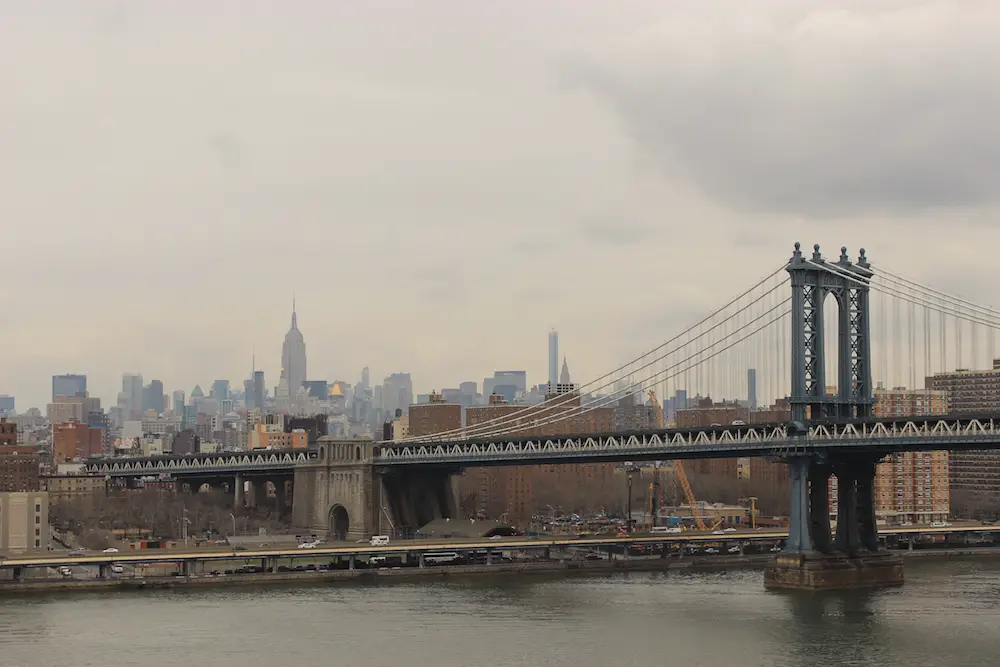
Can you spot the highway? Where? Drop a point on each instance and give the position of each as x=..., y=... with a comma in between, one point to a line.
x=418, y=546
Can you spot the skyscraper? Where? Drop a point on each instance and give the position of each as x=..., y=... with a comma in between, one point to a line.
x=553, y=358
x=153, y=397
x=220, y=390
x=178, y=403
x=132, y=392
x=258, y=389
x=752, y=388
x=293, y=356
x=68, y=385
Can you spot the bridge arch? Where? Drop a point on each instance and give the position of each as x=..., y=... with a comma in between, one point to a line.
x=340, y=523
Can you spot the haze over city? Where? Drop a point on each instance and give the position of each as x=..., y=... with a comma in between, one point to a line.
x=438, y=184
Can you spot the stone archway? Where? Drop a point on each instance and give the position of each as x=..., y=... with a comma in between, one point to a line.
x=340, y=523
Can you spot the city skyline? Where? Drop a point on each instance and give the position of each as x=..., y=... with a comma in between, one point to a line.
x=586, y=145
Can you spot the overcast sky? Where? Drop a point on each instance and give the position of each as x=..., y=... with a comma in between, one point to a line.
x=439, y=182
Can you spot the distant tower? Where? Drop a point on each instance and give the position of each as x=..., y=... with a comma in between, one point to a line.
x=564, y=375
x=752, y=388
x=553, y=359
x=293, y=356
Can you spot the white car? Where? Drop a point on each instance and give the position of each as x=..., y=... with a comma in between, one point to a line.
x=734, y=550
x=718, y=532
x=307, y=545
x=729, y=530
x=496, y=537
x=110, y=550
x=939, y=524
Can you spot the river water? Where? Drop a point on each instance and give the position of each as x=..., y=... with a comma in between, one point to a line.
x=947, y=614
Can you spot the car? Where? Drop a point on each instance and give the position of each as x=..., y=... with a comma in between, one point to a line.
x=240, y=548
x=939, y=524
x=734, y=550
x=718, y=532
x=307, y=545
x=496, y=537
x=110, y=550
x=76, y=553
x=729, y=530
x=739, y=422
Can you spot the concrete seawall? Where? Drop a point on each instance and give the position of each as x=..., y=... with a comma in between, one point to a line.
x=571, y=568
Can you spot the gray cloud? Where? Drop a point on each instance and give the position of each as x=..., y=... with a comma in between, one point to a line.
x=825, y=112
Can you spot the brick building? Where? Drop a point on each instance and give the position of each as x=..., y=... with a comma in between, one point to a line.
x=973, y=476
x=75, y=440
x=8, y=432
x=19, y=469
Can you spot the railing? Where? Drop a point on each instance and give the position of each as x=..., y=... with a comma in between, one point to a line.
x=890, y=435
x=200, y=463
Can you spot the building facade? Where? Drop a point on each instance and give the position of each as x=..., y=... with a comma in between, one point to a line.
x=910, y=487
x=24, y=521
x=19, y=468
x=973, y=476
x=75, y=440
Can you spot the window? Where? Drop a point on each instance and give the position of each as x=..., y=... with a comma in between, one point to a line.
x=38, y=520
x=38, y=532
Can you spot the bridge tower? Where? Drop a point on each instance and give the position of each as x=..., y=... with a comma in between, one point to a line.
x=813, y=558
x=812, y=284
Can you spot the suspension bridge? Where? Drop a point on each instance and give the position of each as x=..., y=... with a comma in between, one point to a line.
x=810, y=330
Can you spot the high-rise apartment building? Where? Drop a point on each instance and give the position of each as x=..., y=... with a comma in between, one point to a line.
x=752, y=388
x=435, y=416
x=515, y=492
x=8, y=432
x=553, y=358
x=912, y=487
x=974, y=476
x=18, y=469
x=75, y=440
x=68, y=385
x=293, y=356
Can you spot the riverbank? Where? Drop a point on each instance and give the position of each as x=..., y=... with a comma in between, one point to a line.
x=569, y=568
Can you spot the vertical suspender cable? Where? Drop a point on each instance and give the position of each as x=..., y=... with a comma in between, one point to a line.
x=912, y=330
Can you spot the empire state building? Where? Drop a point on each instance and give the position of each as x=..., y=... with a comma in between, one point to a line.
x=293, y=356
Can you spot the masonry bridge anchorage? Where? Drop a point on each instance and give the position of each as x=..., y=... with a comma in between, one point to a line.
x=342, y=493
x=348, y=491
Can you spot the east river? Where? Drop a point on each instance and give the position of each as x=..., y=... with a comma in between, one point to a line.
x=947, y=614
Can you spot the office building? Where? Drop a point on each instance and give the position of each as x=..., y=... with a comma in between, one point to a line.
x=68, y=385
x=752, y=388
x=220, y=390
x=152, y=397
x=24, y=521
x=6, y=404
x=132, y=393
x=293, y=356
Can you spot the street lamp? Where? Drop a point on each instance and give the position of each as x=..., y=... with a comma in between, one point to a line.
x=233, y=517
x=630, y=469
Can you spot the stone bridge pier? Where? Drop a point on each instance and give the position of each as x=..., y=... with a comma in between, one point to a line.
x=341, y=494
x=849, y=557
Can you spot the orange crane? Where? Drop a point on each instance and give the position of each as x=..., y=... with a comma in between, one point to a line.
x=679, y=470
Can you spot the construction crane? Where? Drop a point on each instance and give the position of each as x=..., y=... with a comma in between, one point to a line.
x=679, y=469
